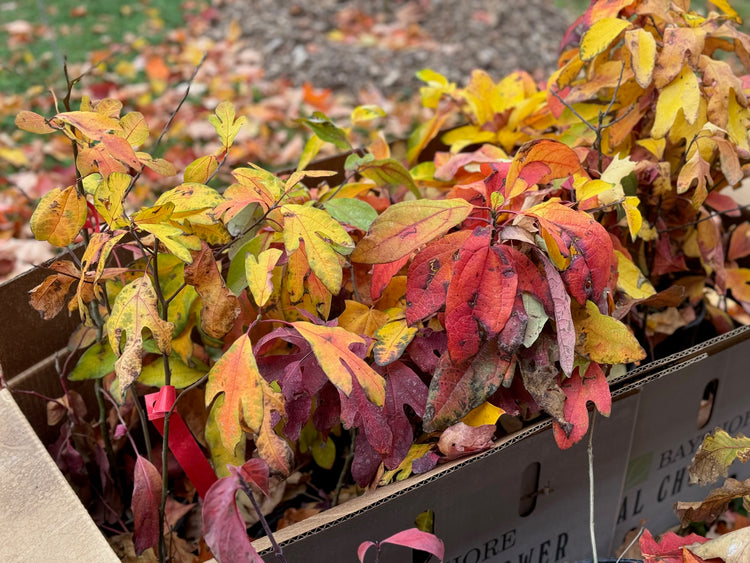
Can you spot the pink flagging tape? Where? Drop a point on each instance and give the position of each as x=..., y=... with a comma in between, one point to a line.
x=182, y=444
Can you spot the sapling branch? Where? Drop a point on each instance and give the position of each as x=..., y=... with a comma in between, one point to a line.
x=144, y=422
x=276, y=547
x=590, y=451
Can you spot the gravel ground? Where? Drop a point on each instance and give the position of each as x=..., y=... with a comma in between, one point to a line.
x=347, y=45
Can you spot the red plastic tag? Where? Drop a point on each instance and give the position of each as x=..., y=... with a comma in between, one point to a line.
x=182, y=444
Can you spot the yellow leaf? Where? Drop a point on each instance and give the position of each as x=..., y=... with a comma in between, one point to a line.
x=182, y=374
x=175, y=239
x=654, y=146
x=683, y=93
x=222, y=456
x=592, y=188
x=92, y=124
x=632, y=215
x=258, y=272
x=59, y=216
x=201, y=169
x=730, y=12
x=225, y=124
x=737, y=123
x=486, y=413
x=642, y=47
x=192, y=200
x=331, y=346
x=364, y=113
x=600, y=36
x=604, y=339
x=134, y=128
x=404, y=468
x=108, y=198
x=631, y=280
x=325, y=239
x=135, y=309
x=392, y=339
x=361, y=319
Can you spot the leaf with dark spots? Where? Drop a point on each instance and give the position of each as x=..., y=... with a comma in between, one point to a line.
x=511, y=337
x=457, y=388
x=430, y=274
x=426, y=348
x=579, y=390
x=145, y=505
x=480, y=295
x=539, y=375
x=461, y=440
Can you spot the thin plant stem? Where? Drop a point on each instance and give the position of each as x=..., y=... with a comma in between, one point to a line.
x=632, y=542
x=344, y=470
x=144, y=423
x=276, y=547
x=111, y=399
x=590, y=450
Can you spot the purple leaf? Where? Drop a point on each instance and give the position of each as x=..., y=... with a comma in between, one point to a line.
x=145, y=505
x=223, y=527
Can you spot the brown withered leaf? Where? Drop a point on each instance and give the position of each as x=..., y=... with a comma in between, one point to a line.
x=70, y=403
x=714, y=456
x=733, y=547
x=714, y=505
x=49, y=296
x=220, y=307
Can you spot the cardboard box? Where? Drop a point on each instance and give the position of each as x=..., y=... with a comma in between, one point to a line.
x=710, y=384
x=478, y=502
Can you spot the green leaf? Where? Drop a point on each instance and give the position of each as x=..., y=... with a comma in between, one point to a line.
x=182, y=374
x=327, y=131
x=96, y=362
x=351, y=211
x=389, y=173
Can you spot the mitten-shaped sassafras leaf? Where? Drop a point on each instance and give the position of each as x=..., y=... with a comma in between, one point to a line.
x=135, y=308
x=242, y=398
x=225, y=124
x=325, y=239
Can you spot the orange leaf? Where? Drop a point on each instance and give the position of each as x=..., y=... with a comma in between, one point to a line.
x=332, y=349
x=404, y=227
x=220, y=307
x=59, y=216
x=540, y=161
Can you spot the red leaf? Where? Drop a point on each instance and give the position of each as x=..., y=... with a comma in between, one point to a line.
x=145, y=505
x=417, y=539
x=457, y=388
x=382, y=274
x=427, y=348
x=255, y=471
x=413, y=538
x=429, y=276
x=357, y=411
x=223, y=527
x=669, y=549
x=579, y=390
x=480, y=295
x=581, y=242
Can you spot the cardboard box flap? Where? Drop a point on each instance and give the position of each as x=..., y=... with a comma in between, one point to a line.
x=41, y=518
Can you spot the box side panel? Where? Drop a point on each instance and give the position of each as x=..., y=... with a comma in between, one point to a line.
x=477, y=506
x=41, y=517
x=675, y=413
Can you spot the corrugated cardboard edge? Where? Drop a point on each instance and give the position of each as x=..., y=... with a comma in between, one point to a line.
x=41, y=518
x=371, y=500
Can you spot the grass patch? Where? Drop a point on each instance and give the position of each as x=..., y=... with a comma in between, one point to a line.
x=38, y=34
